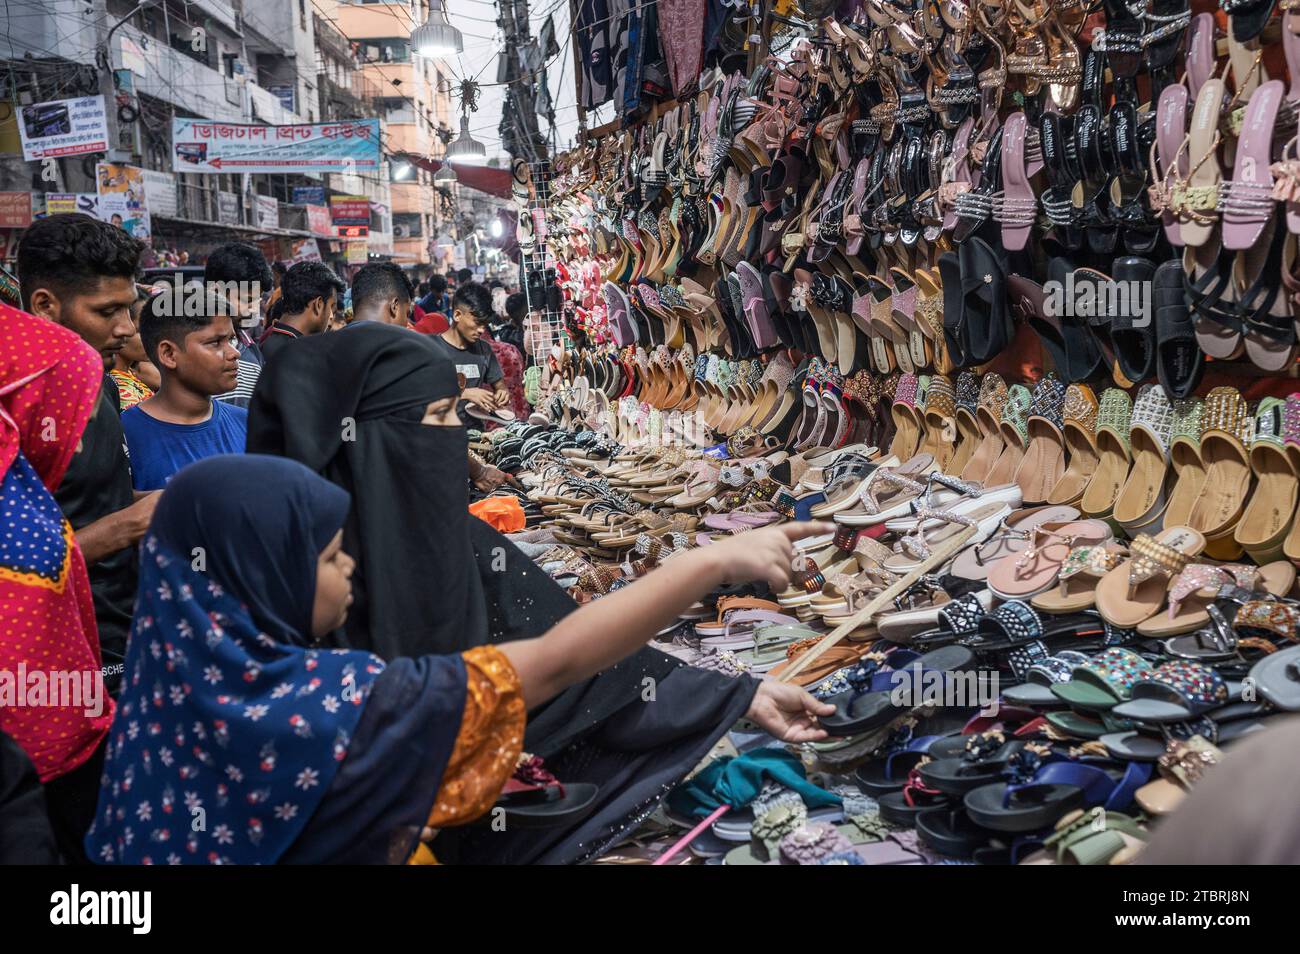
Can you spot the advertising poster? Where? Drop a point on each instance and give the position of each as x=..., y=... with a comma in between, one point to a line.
x=64, y=127
x=122, y=198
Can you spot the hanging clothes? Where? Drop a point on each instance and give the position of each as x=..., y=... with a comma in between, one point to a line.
x=682, y=40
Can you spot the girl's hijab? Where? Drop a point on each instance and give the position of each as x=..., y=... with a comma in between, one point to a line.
x=230, y=726
x=348, y=406
x=49, y=385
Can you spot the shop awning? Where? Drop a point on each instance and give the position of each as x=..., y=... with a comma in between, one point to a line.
x=483, y=178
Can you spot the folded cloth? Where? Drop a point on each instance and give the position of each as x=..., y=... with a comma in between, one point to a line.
x=503, y=514
x=736, y=781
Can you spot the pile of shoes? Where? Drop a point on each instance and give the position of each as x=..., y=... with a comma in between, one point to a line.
x=1007, y=291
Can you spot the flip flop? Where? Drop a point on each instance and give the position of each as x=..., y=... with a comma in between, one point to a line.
x=1012, y=537
x=1035, y=569
x=1076, y=583
x=1198, y=586
x=1135, y=590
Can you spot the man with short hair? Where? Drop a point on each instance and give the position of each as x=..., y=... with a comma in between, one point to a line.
x=381, y=292
x=463, y=342
x=308, y=298
x=182, y=423
x=242, y=269
x=80, y=272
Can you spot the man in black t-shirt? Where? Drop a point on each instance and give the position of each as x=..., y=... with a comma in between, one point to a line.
x=483, y=383
x=80, y=273
x=308, y=297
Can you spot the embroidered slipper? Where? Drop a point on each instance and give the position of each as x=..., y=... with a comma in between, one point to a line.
x=1043, y=463
x=1015, y=432
x=1269, y=512
x=988, y=416
x=1185, y=456
x=1080, y=432
x=1114, y=417
x=1141, y=502
x=1227, y=428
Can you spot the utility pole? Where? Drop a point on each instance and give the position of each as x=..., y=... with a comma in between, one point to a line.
x=104, y=30
x=518, y=127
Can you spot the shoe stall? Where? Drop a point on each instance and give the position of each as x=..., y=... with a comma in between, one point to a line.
x=1006, y=292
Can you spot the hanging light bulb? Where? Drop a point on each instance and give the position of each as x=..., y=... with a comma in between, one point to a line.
x=436, y=36
x=445, y=175
x=465, y=148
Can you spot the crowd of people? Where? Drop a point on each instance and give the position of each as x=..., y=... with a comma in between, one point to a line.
x=246, y=524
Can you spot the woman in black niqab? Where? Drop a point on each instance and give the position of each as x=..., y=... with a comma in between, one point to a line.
x=431, y=578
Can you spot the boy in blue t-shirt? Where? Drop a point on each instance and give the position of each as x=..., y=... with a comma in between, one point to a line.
x=198, y=359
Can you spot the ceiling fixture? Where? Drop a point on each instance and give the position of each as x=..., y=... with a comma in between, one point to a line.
x=465, y=148
x=436, y=36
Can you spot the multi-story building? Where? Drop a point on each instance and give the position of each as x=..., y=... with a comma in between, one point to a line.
x=225, y=60
x=413, y=97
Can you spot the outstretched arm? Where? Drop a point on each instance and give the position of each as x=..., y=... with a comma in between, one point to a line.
x=603, y=632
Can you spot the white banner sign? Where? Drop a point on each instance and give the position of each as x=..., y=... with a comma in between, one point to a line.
x=63, y=127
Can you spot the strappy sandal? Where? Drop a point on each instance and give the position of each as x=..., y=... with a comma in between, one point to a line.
x=887, y=493
x=1034, y=569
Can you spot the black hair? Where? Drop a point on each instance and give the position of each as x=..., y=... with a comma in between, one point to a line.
x=464, y=276
x=517, y=307
x=495, y=284
x=160, y=321
x=305, y=282
x=237, y=262
x=437, y=283
x=477, y=298
x=378, y=281
x=423, y=289
x=279, y=268
x=67, y=252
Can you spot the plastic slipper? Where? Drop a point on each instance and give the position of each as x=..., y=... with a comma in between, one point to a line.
x=1055, y=789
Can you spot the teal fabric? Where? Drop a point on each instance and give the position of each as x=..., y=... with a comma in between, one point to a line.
x=735, y=781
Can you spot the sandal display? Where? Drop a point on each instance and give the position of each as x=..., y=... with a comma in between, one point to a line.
x=1009, y=294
